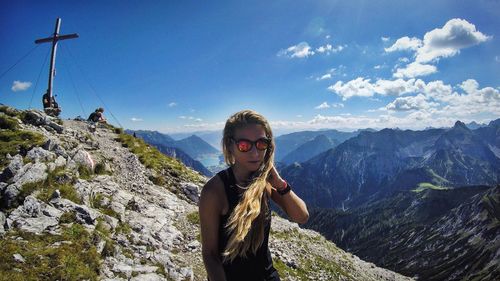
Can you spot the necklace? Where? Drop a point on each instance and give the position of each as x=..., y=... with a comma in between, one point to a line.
x=242, y=187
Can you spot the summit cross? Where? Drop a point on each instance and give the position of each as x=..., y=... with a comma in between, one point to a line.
x=54, y=39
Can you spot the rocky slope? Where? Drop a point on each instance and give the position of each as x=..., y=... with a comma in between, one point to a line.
x=81, y=205
x=434, y=234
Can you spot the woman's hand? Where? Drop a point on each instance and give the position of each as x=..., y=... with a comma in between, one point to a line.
x=275, y=179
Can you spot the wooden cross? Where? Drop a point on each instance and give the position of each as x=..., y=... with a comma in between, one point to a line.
x=54, y=39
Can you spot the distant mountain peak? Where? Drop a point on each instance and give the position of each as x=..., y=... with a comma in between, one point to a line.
x=460, y=126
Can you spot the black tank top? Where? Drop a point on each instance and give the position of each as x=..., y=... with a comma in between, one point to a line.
x=255, y=267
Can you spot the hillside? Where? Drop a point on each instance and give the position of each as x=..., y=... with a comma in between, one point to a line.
x=78, y=205
x=431, y=233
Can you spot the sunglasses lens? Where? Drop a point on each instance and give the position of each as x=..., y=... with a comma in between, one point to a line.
x=244, y=145
x=261, y=144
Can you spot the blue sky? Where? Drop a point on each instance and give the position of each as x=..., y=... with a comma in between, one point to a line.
x=178, y=66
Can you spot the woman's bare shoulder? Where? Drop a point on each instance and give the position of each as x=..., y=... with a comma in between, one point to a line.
x=213, y=188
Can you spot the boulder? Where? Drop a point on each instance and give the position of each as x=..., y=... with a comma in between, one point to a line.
x=31, y=217
x=30, y=173
x=39, y=154
x=15, y=165
x=191, y=190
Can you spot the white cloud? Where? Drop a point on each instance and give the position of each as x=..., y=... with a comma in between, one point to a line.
x=172, y=104
x=324, y=105
x=405, y=43
x=134, y=119
x=18, y=86
x=404, y=60
x=183, y=117
x=358, y=87
x=364, y=88
x=324, y=77
x=415, y=69
x=497, y=58
x=301, y=50
x=377, y=67
x=198, y=120
x=337, y=105
x=447, y=41
x=328, y=49
x=394, y=87
x=418, y=102
x=328, y=37
x=385, y=39
x=299, y=116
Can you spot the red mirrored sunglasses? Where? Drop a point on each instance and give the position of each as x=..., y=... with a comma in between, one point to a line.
x=245, y=145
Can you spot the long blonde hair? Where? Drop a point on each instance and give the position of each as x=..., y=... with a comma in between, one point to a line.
x=251, y=210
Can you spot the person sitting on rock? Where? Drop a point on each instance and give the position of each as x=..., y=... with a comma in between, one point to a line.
x=97, y=116
x=50, y=105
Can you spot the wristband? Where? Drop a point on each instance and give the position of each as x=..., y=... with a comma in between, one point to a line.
x=285, y=190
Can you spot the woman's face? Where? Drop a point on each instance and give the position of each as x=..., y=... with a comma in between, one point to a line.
x=252, y=159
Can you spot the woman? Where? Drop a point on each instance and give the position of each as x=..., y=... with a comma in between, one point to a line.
x=234, y=205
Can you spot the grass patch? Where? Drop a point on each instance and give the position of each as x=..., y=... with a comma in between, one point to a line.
x=47, y=187
x=101, y=202
x=8, y=123
x=68, y=217
x=85, y=172
x=16, y=141
x=426, y=185
x=159, y=162
x=74, y=259
x=194, y=218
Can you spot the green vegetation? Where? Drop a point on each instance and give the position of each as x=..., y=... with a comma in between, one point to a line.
x=85, y=172
x=8, y=123
x=157, y=161
x=13, y=140
x=55, y=180
x=100, y=169
x=98, y=201
x=70, y=256
x=68, y=217
x=425, y=186
x=194, y=218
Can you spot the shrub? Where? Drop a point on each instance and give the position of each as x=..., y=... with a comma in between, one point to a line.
x=85, y=172
x=8, y=123
x=194, y=218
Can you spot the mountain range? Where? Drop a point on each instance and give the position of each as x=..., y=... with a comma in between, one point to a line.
x=374, y=164
x=189, y=150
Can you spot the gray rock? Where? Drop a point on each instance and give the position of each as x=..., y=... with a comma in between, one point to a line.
x=24, y=220
x=148, y=277
x=2, y=222
x=83, y=213
x=60, y=161
x=31, y=206
x=84, y=158
x=54, y=146
x=15, y=165
x=39, y=118
x=191, y=190
x=56, y=194
x=19, y=258
x=39, y=154
x=28, y=174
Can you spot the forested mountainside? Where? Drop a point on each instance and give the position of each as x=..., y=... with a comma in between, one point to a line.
x=433, y=234
x=103, y=205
